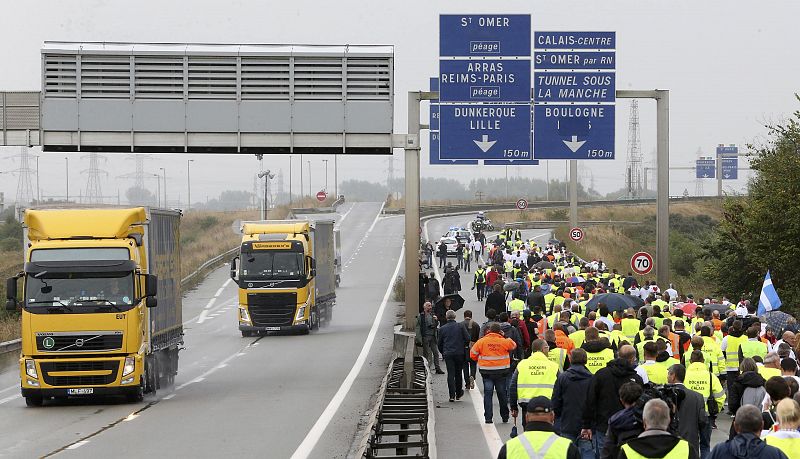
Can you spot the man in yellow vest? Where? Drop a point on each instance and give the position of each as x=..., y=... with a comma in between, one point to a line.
x=598, y=351
x=730, y=347
x=557, y=355
x=533, y=377
x=656, y=374
x=579, y=335
x=539, y=439
x=649, y=335
x=656, y=441
x=630, y=325
x=753, y=346
x=516, y=304
x=771, y=367
x=701, y=380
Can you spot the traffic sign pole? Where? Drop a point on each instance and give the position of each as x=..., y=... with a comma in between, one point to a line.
x=573, y=193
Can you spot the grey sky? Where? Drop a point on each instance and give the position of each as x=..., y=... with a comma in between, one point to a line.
x=726, y=63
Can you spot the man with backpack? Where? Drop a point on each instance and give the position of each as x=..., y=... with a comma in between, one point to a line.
x=479, y=281
x=451, y=281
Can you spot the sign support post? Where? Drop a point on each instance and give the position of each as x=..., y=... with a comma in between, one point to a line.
x=662, y=175
x=573, y=193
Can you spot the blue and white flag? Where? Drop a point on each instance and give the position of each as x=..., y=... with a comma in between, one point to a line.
x=768, y=301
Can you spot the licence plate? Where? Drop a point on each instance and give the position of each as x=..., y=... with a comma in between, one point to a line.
x=272, y=328
x=82, y=391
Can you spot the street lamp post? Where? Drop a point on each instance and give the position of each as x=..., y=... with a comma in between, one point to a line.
x=290, y=181
x=67, y=176
x=38, y=188
x=266, y=175
x=164, y=171
x=310, y=193
x=326, y=174
x=188, y=185
x=158, y=190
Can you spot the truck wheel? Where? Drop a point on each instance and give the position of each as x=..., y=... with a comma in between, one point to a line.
x=137, y=396
x=34, y=400
x=315, y=319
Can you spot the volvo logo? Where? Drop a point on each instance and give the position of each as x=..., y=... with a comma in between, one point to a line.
x=249, y=284
x=79, y=342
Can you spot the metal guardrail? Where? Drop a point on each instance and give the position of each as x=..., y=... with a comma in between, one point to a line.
x=16, y=344
x=553, y=223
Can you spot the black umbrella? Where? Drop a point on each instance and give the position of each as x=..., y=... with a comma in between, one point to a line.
x=778, y=320
x=544, y=265
x=456, y=303
x=615, y=302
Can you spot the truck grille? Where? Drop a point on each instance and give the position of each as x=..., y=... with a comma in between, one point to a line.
x=79, y=342
x=78, y=380
x=272, y=309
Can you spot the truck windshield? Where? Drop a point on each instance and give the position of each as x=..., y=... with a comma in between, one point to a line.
x=272, y=265
x=79, y=292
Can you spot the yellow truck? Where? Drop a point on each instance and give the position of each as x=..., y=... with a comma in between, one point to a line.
x=286, y=271
x=101, y=302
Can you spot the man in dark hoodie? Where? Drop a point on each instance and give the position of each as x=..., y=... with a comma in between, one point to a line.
x=496, y=300
x=747, y=443
x=602, y=399
x=656, y=441
x=626, y=424
x=569, y=400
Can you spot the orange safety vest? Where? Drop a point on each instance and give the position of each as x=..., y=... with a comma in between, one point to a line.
x=492, y=352
x=563, y=341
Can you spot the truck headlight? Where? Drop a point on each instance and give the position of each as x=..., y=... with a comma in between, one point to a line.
x=243, y=315
x=301, y=313
x=130, y=365
x=30, y=369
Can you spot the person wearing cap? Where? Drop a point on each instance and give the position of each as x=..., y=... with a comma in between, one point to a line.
x=656, y=441
x=493, y=354
x=539, y=439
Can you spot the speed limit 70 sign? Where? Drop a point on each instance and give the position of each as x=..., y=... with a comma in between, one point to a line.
x=576, y=234
x=641, y=263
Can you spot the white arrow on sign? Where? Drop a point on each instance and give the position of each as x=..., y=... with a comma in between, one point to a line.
x=485, y=144
x=727, y=176
x=705, y=175
x=574, y=145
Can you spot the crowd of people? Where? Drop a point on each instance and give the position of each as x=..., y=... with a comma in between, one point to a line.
x=595, y=379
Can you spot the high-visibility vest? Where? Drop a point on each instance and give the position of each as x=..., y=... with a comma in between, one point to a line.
x=492, y=352
x=712, y=355
x=597, y=360
x=578, y=337
x=752, y=348
x=480, y=276
x=558, y=356
x=640, y=348
x=789, y=446
x=657, y=374
x=536, y=377
x=630, y=327
x=516, y=305
x=767, y=372
x=680, y=450
x=538, y=444
x=732, y=352
x=616, y=337
x=699, y=379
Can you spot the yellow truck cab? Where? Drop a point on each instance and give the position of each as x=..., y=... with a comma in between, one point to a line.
x=286, y=273
x=101, y=303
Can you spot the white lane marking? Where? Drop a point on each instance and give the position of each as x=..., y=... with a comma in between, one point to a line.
x=344, y=215
x=227, y=283
x=168, y=397
x=307, y=446
x=77, y=445
x=490, y=433
x=130, y=417
x=375, y=221
x=211, y=303
x=203, y=316
x=363, y=239
x=9, y=398
x=9, y=388
x=219, y=291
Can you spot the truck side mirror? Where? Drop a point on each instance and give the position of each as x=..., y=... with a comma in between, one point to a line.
x=150, y=285
x=234, y=269
x=11, y=294
x=151, y=302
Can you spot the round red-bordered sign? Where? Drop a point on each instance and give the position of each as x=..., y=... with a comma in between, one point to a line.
x=321, y=196
x=642, y=263
x=522, y=204
x=576, y=234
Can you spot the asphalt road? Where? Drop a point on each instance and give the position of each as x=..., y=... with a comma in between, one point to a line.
x=271, y=396
x=460, y=430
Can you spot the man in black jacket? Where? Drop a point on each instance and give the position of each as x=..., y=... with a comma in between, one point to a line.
x=691, y=410
x=602, y=399
x=656, y=441
x=451, y=281
x=495, y=300
x=535, y=298
x=569, y=399
x=453, y=339
x=441, y=251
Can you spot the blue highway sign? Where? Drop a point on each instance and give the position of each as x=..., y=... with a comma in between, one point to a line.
x=511, y=162
x=487, y=131
x=485, y=35
x=575, y=40
x=705, y=168
x=573, y=131
x=574, y=87
x=485, y=80
x=434, y=112
x=729, y=149
x=574, y=60
x=434, y=155
x=730, y=168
